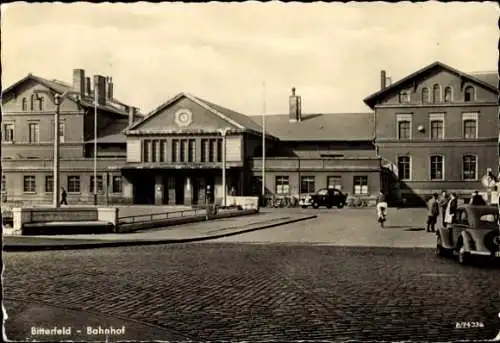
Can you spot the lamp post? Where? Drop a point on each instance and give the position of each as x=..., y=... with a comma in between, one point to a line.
x=57, y=99
x=223, y=133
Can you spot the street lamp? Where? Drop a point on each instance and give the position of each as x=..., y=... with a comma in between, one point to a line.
x=57, y=99
x=223, y=133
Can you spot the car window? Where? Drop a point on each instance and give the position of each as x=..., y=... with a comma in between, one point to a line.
x=489, y=218
x=336, y=192
x=462, y=217
x=323, y=192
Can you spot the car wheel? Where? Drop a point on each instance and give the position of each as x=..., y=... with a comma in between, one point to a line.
x=440, y=251
x=304, y=206
x=340, y=205
x=315, y=205
x=463, y=255
x=329, y=206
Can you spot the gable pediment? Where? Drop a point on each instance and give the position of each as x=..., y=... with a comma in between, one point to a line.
x=183, y=113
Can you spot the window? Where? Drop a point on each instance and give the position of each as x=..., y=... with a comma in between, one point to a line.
x=425, y=95
x=24, y=104
x=49, y=183
x=184, y=149
x=282, y=185
x=73, y=184
x=8, y=131
x=436, y=93
x=448, y=94
x=4, y=184
x=404, y=167
x=34, y=133
x=175, y=150
x=116, y=186
x=360, y=185
x=204, y=150
x=163, y=150
x=307, y=184
x=470, y=129
x=33, y=101
x=437, y=168
x=404, y=129
x=192, y=150
x=404, y=98
x=61, y=132
x=468, y=94
x=154, y=150
x=41, y=101
x=437, y=129
x=334, y=182
x=29, y=184
x=212, y=150
x=219, y=150
x=100, y=184
x=470, y=167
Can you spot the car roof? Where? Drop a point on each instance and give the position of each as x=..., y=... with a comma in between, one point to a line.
x=474, y=212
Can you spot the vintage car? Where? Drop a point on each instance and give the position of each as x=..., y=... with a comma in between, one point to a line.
x=475, y=232
x=328, y=197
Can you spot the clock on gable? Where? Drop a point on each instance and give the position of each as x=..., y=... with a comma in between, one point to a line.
x=183, y=117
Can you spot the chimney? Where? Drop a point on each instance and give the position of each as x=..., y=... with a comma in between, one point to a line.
x=79, y=81
x=109, y=88
x=295, y=114
x=132, y=112
x=100, y=89
x=88, y=85
x=383, y=80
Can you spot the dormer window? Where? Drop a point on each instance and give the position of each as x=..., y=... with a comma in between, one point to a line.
x=436, y=93
x=404, y=98
x=448, y=94
x=425, y=95
x=469, y=93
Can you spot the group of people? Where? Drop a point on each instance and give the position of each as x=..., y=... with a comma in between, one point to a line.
x=446, y=207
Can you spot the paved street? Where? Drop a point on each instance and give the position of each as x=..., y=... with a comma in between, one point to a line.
x=287, y=289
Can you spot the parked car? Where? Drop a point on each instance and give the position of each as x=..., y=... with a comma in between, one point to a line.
x=475, y=233
x=328, y=197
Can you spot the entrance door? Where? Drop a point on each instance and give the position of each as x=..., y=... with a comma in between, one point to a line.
x=144, y=190
x=195, y=186
x=180, y=180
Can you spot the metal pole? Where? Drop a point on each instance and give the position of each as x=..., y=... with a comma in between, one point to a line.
x=264, y=144
x=56, y=185
x=95, y=145
x=224, y=168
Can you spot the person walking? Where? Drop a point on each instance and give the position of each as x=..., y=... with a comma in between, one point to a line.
x=64, y=195
x=451, y=209
x=432, y=213
x=381, y=208
x=443, y=202
x=476, y=199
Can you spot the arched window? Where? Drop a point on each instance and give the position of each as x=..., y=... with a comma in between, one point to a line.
x=40, y=103
x=425, y=95
x=24, y=104
x=33, y=100
x=436, y=93
x=403, y=98
x=468, y=94
x=448, y=94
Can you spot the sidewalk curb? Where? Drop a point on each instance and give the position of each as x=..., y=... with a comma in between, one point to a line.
x=112, y=244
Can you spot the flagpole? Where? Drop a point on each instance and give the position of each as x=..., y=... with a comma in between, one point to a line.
x=264, y=142
x=95, y=144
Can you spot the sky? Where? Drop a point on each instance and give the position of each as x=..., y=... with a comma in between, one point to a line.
x=246, y=56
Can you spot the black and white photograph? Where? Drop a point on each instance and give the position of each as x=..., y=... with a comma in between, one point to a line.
x=250, y=171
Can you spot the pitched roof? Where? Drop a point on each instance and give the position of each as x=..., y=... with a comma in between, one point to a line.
x=61, y=87
x=112, y=133
x=241, y=121
x=490, y=78
x=485, y=81
x=321, y=127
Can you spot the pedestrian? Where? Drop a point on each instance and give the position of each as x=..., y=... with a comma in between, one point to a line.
x=432, y=213
x=476, y=199
x=443, y=202
x=451, y=210
x=381, y=208
x=64, y=195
